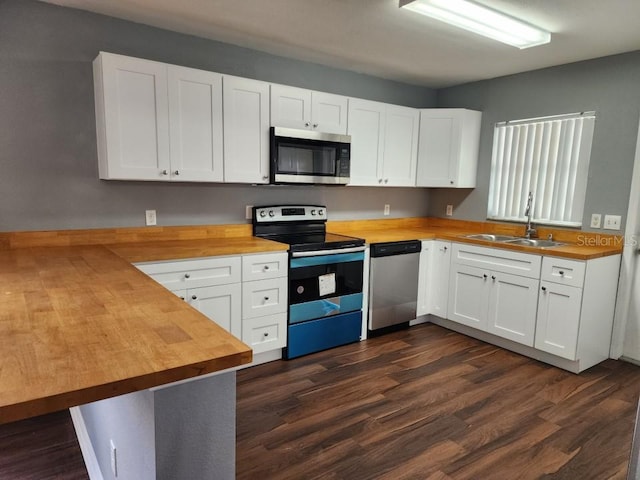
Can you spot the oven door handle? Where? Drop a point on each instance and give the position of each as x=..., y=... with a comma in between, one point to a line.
x=317, y=253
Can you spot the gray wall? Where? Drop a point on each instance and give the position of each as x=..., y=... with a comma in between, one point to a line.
x=610, y=86
x=49, y=169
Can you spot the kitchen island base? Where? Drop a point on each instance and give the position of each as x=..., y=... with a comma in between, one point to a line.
x=185, y=430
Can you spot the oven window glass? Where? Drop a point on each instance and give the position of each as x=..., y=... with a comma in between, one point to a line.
x=306, y=160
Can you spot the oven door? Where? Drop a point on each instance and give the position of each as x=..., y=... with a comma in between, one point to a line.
x=325, y=301
x=300, y=156
x=325, y=285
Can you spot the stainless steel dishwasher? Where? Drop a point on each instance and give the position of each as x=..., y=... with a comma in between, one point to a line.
x=393, y=289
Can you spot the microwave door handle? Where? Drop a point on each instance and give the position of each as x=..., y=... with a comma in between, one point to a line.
x=328, y=252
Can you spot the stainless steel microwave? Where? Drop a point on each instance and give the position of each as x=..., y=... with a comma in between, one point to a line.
x=303, y=156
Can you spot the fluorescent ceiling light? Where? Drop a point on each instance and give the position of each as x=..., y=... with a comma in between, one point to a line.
x=481, y=20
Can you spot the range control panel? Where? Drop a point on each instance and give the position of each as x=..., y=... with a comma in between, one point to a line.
x=289, y=213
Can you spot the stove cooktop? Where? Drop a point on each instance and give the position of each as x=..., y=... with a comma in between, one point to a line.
x=317, y=241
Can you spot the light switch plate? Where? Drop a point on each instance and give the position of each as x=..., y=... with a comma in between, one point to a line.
x=612, y=222
x=596, y=220
x=150, y=217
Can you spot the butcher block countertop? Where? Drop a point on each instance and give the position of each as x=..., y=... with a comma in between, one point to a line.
x=577, y=244
x=79, y=323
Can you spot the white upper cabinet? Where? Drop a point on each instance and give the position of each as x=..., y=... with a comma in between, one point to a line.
x=195, y=124
x=157, y=121
x=131, y=118
x=448, y=148
x=400, y=146
x=366, y=127
x=384, y=140
x=299, y=108
x=246, y=130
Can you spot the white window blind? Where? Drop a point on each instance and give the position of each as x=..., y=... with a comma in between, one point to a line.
x=547, y=156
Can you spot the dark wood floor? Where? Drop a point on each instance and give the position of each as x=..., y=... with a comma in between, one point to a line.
x=423, y=403
x=427, y=403
x=41, y=448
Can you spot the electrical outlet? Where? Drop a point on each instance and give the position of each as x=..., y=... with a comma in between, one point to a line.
x=150, y=217
x=449, y=211
x=387, y=209
x=248, y=213
x=596, y=220
x=612, y=222
x=114, y=459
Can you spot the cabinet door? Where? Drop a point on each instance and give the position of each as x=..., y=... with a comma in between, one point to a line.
x=558, y=319
x=400, y=147
x=195, y=124
x=423, y=307
x=438, y=148
x=366, y=125
x=329, y=113
x=290, y=107
x=513, y=303
x=469, y=296
x=132, y=118
x=438, y=282
x=246, y=130
x=448, y=147
x=221, y=304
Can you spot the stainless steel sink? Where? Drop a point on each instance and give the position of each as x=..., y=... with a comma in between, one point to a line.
x=490, y=237
x=533, y=242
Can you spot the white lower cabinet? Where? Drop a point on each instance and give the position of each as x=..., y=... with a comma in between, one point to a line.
x=558, y=319
x=246, y=295
x=433, y=287
x=491, y=299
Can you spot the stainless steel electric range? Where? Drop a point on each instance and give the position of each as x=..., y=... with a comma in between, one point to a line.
x=325, y=277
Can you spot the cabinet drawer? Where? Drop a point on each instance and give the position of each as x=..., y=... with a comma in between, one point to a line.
x=564, y=271
x=264, y=297
x=263, y=266
x=495, y=259
x=265, y=333
x=201, y=272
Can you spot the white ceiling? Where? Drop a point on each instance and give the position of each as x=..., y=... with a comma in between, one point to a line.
x=378, y=38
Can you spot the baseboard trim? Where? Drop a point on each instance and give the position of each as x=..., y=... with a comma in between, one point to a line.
x=88, y=454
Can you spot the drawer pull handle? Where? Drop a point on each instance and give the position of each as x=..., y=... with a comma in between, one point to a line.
x=561, y=272
x=194, y=297
x=544, y=289
x=266, y=334
x=187, y=275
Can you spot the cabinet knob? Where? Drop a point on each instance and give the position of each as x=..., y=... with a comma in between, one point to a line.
x=386, y=180
x=165, y=172
x=315, y=125
x=187, y=275
x=306, y=124
x=266, y=267
x=444, y=248
x=493, y=277
x=266, y=299
x=194, y=297
x=561, y=272
x=181, y=298
x=451, y=182
x=484, y=276
x=265, y=177
x=544, y=289
x=266, y=334
x=177, y=172
x=379, y=180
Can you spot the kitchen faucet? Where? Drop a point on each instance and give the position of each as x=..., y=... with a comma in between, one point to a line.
x=529, y=231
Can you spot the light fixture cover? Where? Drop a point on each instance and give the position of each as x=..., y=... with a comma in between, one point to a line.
x=481, y=20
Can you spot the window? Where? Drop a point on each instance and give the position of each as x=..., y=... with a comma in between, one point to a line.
x=547, y=156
